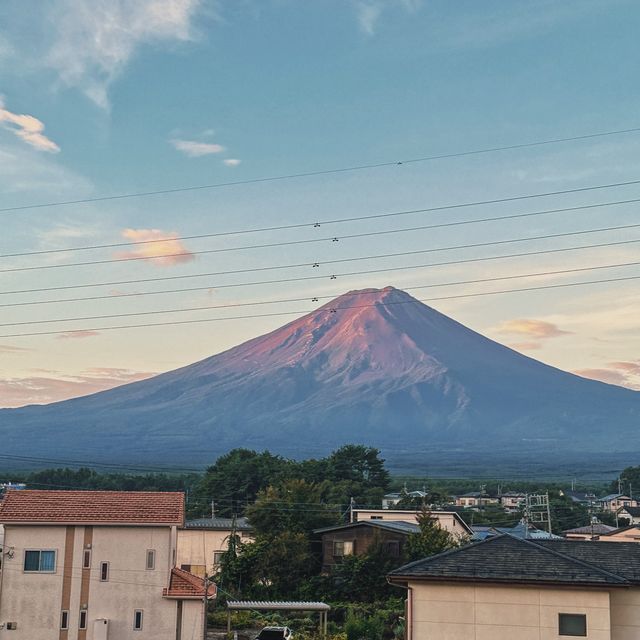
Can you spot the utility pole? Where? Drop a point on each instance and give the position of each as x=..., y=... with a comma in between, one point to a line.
x=205, y=603
x=619, y=485
x=213, y=509
x=538, y=510
x=351, y=505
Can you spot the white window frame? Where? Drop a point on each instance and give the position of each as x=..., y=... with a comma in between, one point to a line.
x=83, y=619
x=151, y=553
x=64, y=623
x=86, y=554
x=104, y=564
x=217, y=557
x=40, y=551
x=573, y=635
x=135, y=619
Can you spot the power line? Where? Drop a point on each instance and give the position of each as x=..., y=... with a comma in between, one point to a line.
x=331, y=262
x=352, y=236
x=316, y=297
x=300, y=312
x=318, y=264
x=308, y=174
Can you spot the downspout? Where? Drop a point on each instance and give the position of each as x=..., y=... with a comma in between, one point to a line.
x=408, y=622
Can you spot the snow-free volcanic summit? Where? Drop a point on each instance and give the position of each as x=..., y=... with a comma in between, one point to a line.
x=373, y=366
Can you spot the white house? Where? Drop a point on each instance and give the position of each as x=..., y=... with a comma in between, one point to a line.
x=96, y=565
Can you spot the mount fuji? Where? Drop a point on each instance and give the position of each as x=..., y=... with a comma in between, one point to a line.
x=373, y=366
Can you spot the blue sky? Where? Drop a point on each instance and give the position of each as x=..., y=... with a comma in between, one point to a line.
x=105, y=97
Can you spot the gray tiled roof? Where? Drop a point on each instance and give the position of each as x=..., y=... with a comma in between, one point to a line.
x=596, y=529
x=513, y=560
x=221, y=524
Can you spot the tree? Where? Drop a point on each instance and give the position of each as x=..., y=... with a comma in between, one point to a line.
x=294, y=506
x=235, y=480
x=431, y=539
x=359, y=464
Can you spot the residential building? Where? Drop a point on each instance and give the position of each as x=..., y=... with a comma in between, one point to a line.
x=512, y=501
x=94, y=565
x=520, y=530
x=448, y=520
x=589, y=532
x=202, y=542
x=476, y=499
x=506, y=587
x=630, y=514
x=579, y=497
x=622, y=534
x=390, y=500
x=616, y=501
x=355, y=539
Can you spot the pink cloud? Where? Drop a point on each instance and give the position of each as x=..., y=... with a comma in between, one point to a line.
x=538, y=329
x=603, y=375
x=525, y=346
x=161, y=247
x=17, y=392
x=80, y=334
x=628, y=367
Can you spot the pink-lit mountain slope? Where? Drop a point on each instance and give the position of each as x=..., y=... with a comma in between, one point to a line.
x=383, y=369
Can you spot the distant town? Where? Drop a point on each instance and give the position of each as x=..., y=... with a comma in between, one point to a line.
x=260, y=545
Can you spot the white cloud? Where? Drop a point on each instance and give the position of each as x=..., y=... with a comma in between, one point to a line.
x=27, y=128
x=195, y=149
x=232, y=162
x=368, y=12
x=93, y=40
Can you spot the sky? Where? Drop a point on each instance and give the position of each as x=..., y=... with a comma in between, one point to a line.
x=101, y=98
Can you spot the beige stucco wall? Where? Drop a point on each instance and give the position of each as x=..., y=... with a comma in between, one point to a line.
x=196, y=545
x=31, y=599
x=447, y=521
x=625, y=614
x=456, y=612
x=34, y=600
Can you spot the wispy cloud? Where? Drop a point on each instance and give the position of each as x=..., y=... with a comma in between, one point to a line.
x=93, y=40
x=232, y=162
x=42, y=389
x=75, y=335
x=28, y=128
x=7, y=348
x=195, y=149
x=161, y=247
x=537, y=329
x=525, y=346
x=368, y=12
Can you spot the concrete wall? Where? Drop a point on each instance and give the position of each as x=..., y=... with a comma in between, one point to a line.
x=456, y=612
x=625, y=614
x=35, y=601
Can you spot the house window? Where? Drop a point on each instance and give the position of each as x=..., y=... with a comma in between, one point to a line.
x=83, y=619
x=64, y=619
x=151, y=559
x=86, y=559
x=376, y=517
x=217, y=557
x=392, y=547
x=40, y=561
x=572, y=624
x=343, y=548
x=104, y=572
x=137, y=620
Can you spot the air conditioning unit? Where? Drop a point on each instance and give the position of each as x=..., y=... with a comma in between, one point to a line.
x=101, y=629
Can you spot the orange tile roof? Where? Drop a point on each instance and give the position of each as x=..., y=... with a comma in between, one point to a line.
x=184, y=585
x=93, y=507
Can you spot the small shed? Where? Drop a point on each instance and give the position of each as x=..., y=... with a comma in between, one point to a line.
x=255, y=605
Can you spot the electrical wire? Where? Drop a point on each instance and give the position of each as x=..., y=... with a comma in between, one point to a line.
x=303, y=278
x=331, y=310
x=317, y=297
x=331, y=262
x=306, y=241
x=307, y=174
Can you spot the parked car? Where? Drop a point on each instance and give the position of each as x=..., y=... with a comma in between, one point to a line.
x=275, y=633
